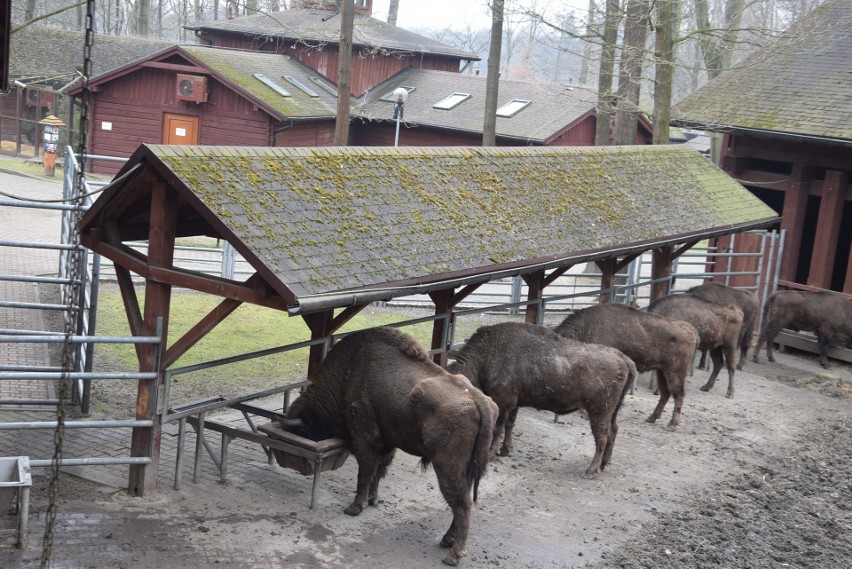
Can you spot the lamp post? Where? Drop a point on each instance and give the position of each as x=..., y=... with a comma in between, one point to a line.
x=399, y=96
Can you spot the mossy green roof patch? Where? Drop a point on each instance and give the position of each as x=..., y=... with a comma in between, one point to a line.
x=331, y=219
x=239, y=67
x=798, y=85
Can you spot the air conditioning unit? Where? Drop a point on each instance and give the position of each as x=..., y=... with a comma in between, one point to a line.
x=191, y=88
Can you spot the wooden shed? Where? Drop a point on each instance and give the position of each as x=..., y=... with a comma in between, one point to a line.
x=195, y=95
x=310, y=32
x=788, y=138
x=446, y=109
x=329, y=231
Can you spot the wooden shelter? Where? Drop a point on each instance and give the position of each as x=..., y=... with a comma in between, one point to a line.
x=330, y=230
x=787, y=137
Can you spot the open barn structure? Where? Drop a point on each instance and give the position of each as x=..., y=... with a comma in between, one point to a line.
x=328, y=231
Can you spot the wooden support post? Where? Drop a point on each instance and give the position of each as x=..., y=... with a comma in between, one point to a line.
x=535, y=291
x=828, y=228
x=847, y=286
x=443, y=306
x=793, y=220
x=320, y=324
x=661, y=268
x=145, y=441
x=607, y=267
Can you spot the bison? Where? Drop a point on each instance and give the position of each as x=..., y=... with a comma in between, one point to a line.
x=745, y=299
x=827, y=314
x=525, y=365
x=718, y=326
x=378, y=390
x=652, y=341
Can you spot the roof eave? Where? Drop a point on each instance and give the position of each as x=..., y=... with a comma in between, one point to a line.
x=445, y=281
x=760, y=133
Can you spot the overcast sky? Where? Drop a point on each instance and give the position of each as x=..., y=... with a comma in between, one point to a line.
x=436, y=14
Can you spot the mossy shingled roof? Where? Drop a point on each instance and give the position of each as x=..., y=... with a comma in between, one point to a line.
x=799, y=85
x=325, y=220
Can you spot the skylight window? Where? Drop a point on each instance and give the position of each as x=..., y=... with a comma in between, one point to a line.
x=513, y=107
x=452, y=101
x=389, y=98
x=271, y=84
x=324, y=84
x=301, y=86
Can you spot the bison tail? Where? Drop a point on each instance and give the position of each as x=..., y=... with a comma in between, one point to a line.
x=476, y=468
x=628, y=385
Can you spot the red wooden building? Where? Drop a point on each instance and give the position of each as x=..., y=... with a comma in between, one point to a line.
x=310, y=32
x=788, y=138
x=446, y=109
x=196, y=95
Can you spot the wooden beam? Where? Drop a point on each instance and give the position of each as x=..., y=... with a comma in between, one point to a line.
x=194, y=69
x=661, y=268
x=607, y=267
x=554, y=274
x=535, y=291
x=145, y=441
x=320, y=325
x=202, y=328
x=828, y=228
x=793, y=219
x=443, y=300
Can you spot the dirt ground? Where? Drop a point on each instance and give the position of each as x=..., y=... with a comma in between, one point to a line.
x=762, y=480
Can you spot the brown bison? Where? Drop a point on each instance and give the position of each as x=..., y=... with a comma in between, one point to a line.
x=825, y=313
x=379, y=390
x=652, y=341
x=745, y=299
x=718, y=326
x=525, y=365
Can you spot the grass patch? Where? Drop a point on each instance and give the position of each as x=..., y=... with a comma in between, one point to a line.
x=249, y=329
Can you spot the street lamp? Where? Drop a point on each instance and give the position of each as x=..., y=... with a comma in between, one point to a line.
x=400, y=94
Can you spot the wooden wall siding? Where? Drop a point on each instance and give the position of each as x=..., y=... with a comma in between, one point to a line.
x=581, y=134
x=319, y=133
x=135, y=104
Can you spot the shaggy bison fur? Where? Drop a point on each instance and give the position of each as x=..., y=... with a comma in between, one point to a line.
x=827, y=314
x=718, y=326
x=379, y=390
x=652, y=341
x=745, y=299
x=525, y=365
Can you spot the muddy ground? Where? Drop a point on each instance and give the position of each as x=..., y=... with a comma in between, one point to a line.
x=762, y=480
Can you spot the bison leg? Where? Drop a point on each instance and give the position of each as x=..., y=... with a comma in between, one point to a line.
x=456, y=491
x=663, y=388
x=384, y=462
x=718, y=361
x=677, y=389
x=510, y=425
x=823, y=344
x=702, y=363
x=368, y=465
x=602, y=431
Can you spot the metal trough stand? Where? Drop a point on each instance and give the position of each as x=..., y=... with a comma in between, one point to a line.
x=16, y=480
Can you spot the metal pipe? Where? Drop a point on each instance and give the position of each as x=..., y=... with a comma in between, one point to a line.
x=91, y=461
x=106, y=424
x=54, y=338
x=77, y=375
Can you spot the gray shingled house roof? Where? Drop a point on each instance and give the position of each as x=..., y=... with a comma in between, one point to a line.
x=318, y=223
x=306, y=97
x=40, y=54
x=317, y=26
x=800, y=85
x=551, y=109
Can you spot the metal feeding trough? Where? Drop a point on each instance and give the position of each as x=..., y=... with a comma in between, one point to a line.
x=304, y=455
x=16, y=480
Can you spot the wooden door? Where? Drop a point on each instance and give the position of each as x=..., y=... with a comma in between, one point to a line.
x=180, y=129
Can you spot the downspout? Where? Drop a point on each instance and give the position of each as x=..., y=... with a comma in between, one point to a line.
x=275, y=132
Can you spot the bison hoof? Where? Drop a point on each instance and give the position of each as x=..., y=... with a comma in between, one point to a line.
x=672, y=426
x=450, y=560
x=704, y=388
x=504, y=451
x=771, y=358
x=448, y=540
x=729, y=395
x=756, y=359
x=651, y=419
x=740, y=367
x=353, y=510
x=590, y=474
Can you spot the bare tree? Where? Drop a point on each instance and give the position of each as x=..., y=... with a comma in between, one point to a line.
x=667, y=19
x=393, y=12
x=344, y=71
x=630, y=71
x=606, y=98
x=489, y=124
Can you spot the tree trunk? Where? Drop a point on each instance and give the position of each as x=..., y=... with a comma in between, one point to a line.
x=668, y=18
x=344, y=71
x=492, y=82
x=587, y=48
x=630, y=72
x=605, y=96
x=143, y=17
x=393, y=12
x=718, y=54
